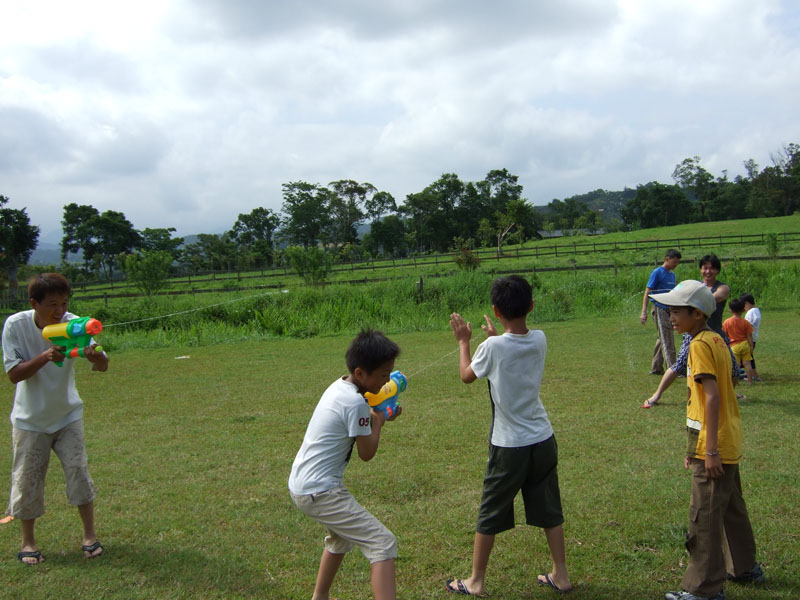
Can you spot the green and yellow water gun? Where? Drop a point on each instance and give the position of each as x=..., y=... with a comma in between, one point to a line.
x=73, y=336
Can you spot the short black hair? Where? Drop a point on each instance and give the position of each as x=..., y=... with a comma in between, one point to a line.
x=711, y=258
x=672, y=253
x=512, y=296
x=748, y=298
x=369, y=350
x=736, y=305
x=44, y=284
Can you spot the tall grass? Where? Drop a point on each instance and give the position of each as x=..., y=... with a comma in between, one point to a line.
x=402, y=305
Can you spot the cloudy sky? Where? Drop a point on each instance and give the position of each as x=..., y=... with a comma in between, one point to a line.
x=184, y=114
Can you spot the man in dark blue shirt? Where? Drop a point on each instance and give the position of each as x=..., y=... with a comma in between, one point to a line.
x=661, y=280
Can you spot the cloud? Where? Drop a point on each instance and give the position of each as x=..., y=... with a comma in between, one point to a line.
x=187, y=114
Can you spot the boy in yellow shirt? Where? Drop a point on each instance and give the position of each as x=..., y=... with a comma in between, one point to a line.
x=720, y=537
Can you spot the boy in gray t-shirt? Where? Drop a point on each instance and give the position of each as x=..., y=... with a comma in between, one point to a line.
x=523, y=455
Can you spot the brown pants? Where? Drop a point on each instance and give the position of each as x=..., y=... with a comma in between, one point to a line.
x=664, y=350
x=720, y=536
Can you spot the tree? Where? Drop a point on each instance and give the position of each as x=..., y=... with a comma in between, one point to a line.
x=387, y=237
x=432, y=213
x=379, y=204
x=160, y=240
x=18, y=240
x=111, y=234
x=148, y=270
x=101, y=237
x=345, y=206
x=306, y=218
x=78, y=237
x=698, y=184
x=658, y=205
x=209, y=253
x=517, y=214
x=253, y=233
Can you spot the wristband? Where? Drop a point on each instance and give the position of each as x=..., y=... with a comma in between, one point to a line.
x=712, y=453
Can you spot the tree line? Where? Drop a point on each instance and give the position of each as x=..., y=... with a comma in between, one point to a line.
x=347, y=220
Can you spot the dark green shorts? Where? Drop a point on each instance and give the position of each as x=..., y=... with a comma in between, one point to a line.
x=530, y=469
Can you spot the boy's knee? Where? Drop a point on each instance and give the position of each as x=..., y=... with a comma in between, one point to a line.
x=384, y=548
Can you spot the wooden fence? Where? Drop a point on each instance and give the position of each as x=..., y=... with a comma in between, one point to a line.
x=107, y=290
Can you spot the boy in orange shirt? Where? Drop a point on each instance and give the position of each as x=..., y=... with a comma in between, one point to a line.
x=740, y=333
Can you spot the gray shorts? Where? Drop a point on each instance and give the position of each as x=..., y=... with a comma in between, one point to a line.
x=349, y=524
x=31, y=457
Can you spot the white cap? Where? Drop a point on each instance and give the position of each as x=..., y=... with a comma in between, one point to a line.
x=689, y=293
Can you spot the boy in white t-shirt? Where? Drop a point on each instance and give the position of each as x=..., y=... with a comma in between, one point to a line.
x=523, y=455
x=47, y=414
x=753, y=315
x=342, y=419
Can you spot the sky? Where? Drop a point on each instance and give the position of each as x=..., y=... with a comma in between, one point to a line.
x=186, y=114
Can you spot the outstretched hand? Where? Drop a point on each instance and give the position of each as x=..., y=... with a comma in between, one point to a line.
x=461, y=329
x=489, y=328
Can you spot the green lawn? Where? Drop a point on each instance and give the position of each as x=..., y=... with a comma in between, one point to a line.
x=191, y=458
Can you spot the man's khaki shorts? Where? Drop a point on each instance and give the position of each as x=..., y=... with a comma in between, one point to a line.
x=31, y=457
x=349, y=524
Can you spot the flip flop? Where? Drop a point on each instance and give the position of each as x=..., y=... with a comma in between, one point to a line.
x=30, y=554
x=460, y=588
x=649, y=404
x=548, y=582
x=90, y=549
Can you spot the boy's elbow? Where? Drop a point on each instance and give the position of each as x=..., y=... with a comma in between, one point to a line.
x=367, y=456
x=468, y=375
x=14, y=375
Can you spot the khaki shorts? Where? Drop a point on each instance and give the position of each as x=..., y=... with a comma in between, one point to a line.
x=31, y=457
x=349, y=524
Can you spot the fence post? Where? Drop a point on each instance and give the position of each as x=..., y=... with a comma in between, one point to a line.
x=419, y=285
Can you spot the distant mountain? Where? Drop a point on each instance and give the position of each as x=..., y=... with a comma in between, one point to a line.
x=607, y=202
x=46, y=253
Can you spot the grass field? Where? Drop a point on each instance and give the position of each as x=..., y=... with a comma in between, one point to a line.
x=191, y=457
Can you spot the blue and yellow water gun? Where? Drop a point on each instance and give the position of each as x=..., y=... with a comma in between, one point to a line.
x=73, y=336
x=386, y=398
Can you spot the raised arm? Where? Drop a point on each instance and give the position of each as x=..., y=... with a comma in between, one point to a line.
x=463, y=332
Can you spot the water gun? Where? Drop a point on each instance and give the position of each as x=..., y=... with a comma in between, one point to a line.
x=73, y=336
x=386, y=398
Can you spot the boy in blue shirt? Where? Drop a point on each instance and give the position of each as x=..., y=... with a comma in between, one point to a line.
x=523, y=454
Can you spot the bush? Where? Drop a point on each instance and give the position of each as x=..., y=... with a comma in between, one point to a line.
x=466, y=260
x=312, y=264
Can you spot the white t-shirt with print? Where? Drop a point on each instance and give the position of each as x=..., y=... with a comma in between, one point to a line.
x=514, y=364
x=341, y=415
x=48, y=400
